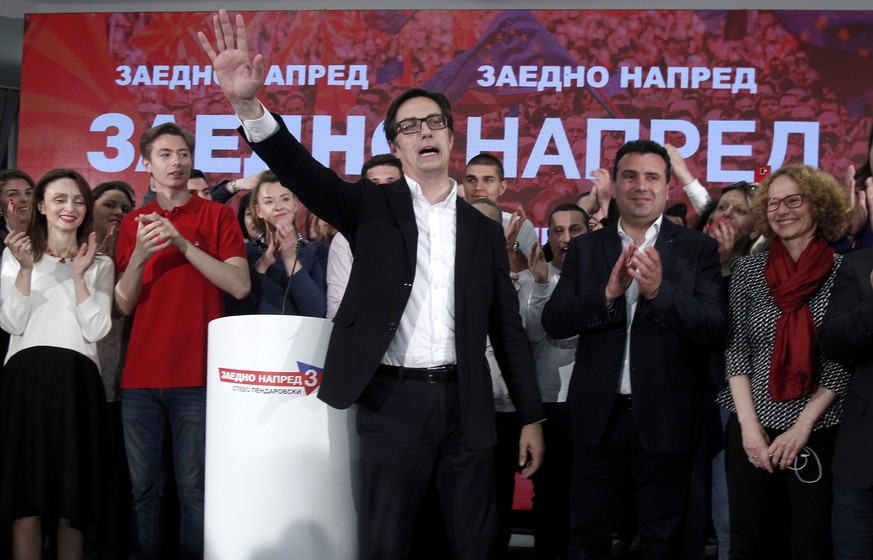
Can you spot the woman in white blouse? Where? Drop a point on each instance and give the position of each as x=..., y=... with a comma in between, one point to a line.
x=55, y=301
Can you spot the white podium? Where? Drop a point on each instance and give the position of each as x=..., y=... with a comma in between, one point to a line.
x=282, y=467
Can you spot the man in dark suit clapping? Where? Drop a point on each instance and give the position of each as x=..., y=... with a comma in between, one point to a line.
x=646, y=299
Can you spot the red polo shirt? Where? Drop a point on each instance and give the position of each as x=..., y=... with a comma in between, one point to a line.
x=168, y=340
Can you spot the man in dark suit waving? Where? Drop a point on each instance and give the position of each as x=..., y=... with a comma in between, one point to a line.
x=646, y=299
x=430, y=279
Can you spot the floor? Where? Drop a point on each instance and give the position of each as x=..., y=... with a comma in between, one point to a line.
x=521, y=548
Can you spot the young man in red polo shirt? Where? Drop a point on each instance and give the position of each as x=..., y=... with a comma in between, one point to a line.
x=175, y=257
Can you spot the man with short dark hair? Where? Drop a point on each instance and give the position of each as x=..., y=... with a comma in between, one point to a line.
x=645, y=297
x=175, y=257
x=429, y=281
x=554, y=361
x=198, y=185
x=484, y=178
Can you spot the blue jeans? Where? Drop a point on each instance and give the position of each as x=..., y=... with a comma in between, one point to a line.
x=720, y=509
x=157, y=422
x=852, y=522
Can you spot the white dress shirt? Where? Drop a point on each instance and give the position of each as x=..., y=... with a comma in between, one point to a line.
x=631, y=296
x=425, y=336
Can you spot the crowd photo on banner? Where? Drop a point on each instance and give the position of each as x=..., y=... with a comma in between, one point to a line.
x=598, y=284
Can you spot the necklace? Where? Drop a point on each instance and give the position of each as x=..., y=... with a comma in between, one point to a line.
x=57, y=256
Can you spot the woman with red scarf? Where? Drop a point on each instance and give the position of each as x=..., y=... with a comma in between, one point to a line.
x=784, y=397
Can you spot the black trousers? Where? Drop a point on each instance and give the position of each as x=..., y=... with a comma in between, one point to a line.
x=783, y=514
x=660, y=483
x=551, y=483
x=411, y=434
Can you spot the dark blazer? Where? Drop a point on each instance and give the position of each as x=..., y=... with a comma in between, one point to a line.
x=379, y=223
x=846, y=336
x=670, y=336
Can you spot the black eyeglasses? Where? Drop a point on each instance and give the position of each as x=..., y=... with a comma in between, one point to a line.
x=413, y=125
x=791, y=201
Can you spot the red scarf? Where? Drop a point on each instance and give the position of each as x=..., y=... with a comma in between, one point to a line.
x=794, y=370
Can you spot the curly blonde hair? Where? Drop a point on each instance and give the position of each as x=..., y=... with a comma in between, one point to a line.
x=826, y=200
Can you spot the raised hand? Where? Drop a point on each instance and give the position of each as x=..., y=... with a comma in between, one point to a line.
x=537, y=264
x=858, y=211
x=601, y=189
x=19, y=245
x=619, y=278
x=84, y=256
x=12, y=221
x=513, y=228
x=269, y=256
x=645, y=268
x=725, y=233
x=107, y=246
x=677, y=163
x=150, y=238
x=286, y=235
x=239, y=74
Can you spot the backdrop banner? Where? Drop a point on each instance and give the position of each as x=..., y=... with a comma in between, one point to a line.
x=552, y=93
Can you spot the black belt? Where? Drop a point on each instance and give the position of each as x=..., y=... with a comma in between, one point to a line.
x=436, y=374
x=623, y=401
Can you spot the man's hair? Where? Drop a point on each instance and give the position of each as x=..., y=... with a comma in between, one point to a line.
x=197, y=174
x=641, y=147
x=485, y=158
x=381, y=159
x=435, y=96
x=149, y=137
x=568, y=208
x=7, y=174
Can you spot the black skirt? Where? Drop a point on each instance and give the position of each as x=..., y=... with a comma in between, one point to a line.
x=55, y=441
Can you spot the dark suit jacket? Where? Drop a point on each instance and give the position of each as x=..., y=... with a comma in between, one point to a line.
x=379, y=223
x=846, y=336
x=670, y=336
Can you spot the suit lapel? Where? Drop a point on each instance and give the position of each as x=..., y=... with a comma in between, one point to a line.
x=400, y=201
x=666, y=236
x=611, y=246
x=465, y=242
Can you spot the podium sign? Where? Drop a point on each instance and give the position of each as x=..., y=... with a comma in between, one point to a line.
x=282, y=467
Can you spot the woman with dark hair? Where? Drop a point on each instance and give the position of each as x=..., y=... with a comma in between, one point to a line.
x=112, y=201
x=785, y=399
x=730, y=222
x=251, y=232
x=55, y=301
